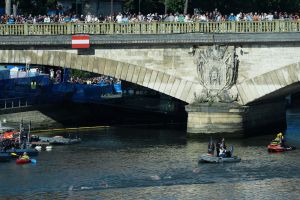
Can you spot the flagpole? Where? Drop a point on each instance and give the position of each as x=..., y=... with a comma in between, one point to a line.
x=28, y=134
x=139, y=6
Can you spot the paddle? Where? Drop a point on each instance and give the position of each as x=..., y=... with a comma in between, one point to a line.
x=14, y=154
x=33, y=161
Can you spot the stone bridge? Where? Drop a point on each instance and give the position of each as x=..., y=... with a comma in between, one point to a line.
x=231, y=82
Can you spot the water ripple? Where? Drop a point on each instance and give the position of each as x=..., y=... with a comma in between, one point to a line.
x=144, y=167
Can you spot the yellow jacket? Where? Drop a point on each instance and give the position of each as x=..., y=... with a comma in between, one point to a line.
x=25, y=157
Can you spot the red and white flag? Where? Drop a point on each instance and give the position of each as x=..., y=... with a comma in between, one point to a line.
x=80, y=41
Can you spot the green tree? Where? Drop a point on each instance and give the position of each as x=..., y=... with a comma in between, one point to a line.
x=146, y=6
x=130, y=5
x=227, y=6
x=35, y=6
x=151, y=6
x=175, y=6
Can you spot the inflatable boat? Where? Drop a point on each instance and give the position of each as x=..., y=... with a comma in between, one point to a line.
x=209, y=158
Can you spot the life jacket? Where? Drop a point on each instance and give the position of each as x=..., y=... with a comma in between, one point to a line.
x=275, y=142
x=25, y=157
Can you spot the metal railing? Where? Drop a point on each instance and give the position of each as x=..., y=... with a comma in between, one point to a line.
x=13, y=103
x=151, y=28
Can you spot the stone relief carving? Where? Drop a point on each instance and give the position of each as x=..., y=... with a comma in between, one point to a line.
x=217, y=68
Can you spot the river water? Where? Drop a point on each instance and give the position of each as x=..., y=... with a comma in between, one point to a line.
x=142, y=163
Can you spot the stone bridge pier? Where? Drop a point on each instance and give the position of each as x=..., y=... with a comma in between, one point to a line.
x=232, y=118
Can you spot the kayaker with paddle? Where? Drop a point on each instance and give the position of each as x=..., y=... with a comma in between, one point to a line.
x=24, y=156
x=278, y=144
x=279, y=139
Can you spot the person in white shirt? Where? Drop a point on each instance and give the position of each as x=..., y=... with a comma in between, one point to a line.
x=47, y=19
x=171, y=18
x=88, y=18
x=269, y=17
x=140, y=17
x=119, y=18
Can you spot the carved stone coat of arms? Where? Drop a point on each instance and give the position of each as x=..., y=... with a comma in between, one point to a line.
x=217, y=72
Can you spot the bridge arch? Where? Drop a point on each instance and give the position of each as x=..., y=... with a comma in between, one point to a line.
x=276, y=83
x=159, y=81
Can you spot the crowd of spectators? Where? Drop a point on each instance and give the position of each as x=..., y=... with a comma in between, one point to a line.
x=214, y=15
x=57, y=76
x=95, y=80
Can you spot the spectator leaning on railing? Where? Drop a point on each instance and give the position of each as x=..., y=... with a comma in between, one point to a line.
x=214, y=16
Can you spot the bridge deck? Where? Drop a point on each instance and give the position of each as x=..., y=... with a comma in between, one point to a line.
x=64, y=41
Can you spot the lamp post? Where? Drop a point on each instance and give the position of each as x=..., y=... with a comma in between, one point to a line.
x=76, y=2
x=8, y=7
x=111, y=6
x=139, y=6
x=186, y=3
x=166, y=7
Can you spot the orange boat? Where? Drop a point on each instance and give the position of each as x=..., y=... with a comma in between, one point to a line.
x=23, y=161
x=279, y=148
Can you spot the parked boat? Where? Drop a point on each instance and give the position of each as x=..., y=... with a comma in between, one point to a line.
x=46, y=148
x=38, y=148
x=21, y=161
x=279, y=148
x=60, y=140
x=4, y=157
x=209, y=158
x=20, y=152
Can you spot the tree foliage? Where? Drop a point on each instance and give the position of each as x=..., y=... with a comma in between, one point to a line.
x=144, y=6
x=175, y=6
x=152, y=6
x=35, y=6
x=225, y=6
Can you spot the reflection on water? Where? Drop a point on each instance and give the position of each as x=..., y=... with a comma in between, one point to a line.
x=293, y=126
x=124, y=163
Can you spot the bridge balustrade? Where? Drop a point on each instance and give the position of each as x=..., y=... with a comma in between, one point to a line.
x=150, y=28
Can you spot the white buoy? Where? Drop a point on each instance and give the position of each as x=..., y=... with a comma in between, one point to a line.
x=39, y=148
x=48, y=148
